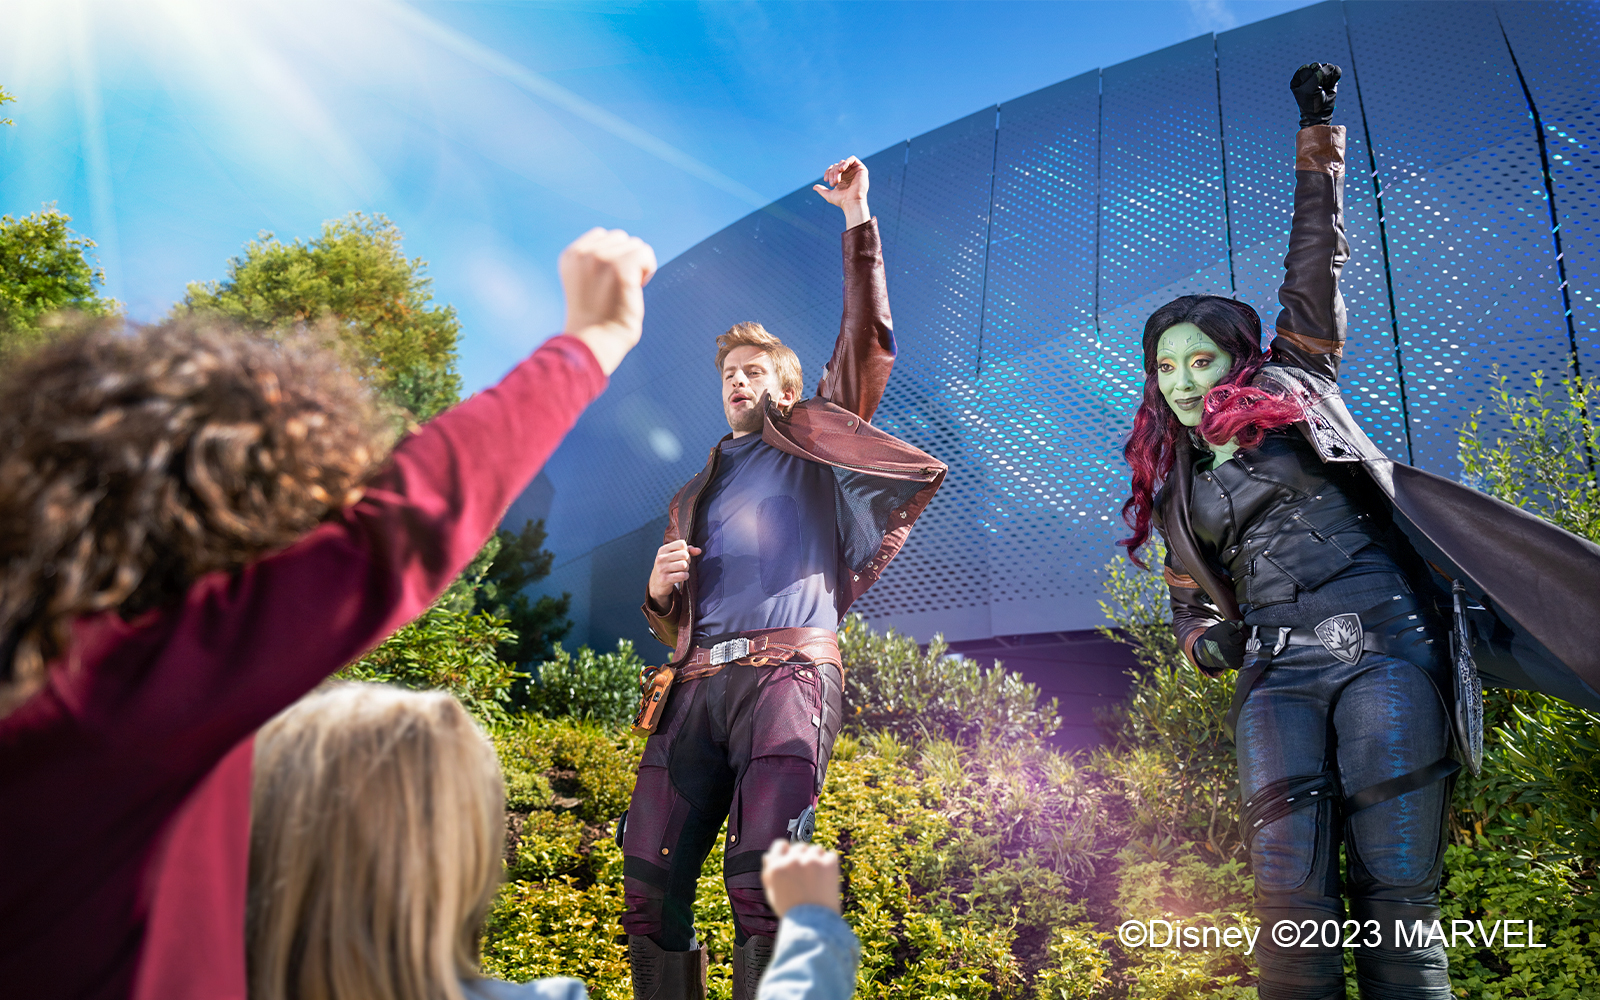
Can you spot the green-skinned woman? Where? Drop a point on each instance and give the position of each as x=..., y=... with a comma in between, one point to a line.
x=1301, y=556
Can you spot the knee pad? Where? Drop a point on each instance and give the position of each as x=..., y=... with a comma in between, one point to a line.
x=1289, y=829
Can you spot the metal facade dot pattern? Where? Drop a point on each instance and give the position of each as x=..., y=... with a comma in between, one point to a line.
x=936, y=291
x=1163, y=216
x=1463, y=197
x=1027, y=244
x=1254, y=62
x=1046, y=392
x=1557, y=46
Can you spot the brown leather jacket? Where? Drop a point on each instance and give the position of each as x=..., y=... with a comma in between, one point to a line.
x=1540, y=617
x=884, y=483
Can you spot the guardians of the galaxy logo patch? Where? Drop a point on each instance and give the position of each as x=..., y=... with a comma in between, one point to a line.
x=1341, y=636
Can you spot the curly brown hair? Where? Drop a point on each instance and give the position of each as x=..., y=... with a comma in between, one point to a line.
x=134, y=462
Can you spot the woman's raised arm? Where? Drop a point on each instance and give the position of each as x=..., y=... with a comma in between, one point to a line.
x=1311, y=327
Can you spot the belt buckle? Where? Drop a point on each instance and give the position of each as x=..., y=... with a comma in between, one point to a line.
x=729, y=650
x=1343, y=636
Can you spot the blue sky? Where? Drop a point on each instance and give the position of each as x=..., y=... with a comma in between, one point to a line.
x=173, y=131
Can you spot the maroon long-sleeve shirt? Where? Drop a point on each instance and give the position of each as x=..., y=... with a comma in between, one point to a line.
x=95, y=766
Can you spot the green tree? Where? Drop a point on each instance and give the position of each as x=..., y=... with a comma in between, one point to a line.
x=522, y=559
x=356, y=276
x=44, y=271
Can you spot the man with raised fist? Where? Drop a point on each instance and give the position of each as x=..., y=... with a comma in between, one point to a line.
x=797, y=512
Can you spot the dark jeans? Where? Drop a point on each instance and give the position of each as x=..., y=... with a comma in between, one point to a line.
x=750, y=745
x=1368, y=722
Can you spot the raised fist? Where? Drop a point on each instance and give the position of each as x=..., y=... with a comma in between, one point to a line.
x=603, y=273
x=794, y=874
x=1315, y=86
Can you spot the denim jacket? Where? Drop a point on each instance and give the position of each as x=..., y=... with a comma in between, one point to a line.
x=815, y=957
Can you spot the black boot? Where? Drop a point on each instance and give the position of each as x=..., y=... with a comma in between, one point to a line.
x=666, y=975
x=749, y=962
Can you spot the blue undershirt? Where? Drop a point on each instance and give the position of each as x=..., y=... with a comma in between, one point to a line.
x=769, y=532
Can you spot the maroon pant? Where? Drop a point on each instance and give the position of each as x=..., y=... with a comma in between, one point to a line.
x=748, y=744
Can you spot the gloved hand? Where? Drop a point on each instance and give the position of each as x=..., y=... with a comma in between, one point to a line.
x=1221, y=647
x=1315, y=86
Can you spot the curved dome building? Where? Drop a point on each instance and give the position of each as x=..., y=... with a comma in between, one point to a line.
x=1026, y=244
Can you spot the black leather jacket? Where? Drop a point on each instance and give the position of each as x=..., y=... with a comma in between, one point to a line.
x=1279, y=521
x=1538, y=620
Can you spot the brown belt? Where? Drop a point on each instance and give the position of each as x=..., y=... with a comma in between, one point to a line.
x=762, y=646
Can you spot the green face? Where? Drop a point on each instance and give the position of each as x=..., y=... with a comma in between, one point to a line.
x=1188, y=364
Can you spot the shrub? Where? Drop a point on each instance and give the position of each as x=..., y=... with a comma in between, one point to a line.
x=956, y=872
x=893, y=685
x=603, y=687
x=1539, y=796
x=558, y=913
x=1481, y=887
x=450, y=650
x=1167, y=744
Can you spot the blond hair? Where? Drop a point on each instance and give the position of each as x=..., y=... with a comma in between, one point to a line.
x=377, y=824
x=785, y=363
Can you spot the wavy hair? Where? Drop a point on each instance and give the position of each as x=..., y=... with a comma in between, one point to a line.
x=1232, y=409
x=133, y=462
x=785, y=363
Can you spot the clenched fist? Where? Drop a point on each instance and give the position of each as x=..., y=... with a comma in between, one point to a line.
x=603, y=273
x=1315, y=87
x=794, y=874
x=671, y=568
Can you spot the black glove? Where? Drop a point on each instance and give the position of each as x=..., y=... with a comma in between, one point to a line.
x=1314, y=86
x=1220, y=647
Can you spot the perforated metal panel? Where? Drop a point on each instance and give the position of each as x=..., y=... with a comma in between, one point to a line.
x=1026, y=246
x=1463, y=198
x=936, y=292
x=1259, y=115
x=1045, y=393
x=1557, y=47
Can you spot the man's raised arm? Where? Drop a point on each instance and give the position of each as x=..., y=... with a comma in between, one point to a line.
x=863, y=356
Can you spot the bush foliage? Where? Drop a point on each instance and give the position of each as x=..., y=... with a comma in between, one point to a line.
x=893, y=685
x=603, y=687
x=982, y=863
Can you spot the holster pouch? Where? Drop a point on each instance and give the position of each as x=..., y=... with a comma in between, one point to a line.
x=654, y=700
x=1466, y=714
